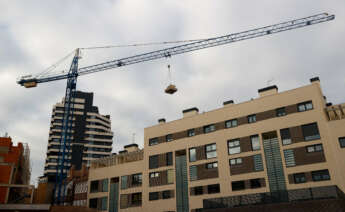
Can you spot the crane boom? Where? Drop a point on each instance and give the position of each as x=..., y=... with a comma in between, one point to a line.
x=206, y=43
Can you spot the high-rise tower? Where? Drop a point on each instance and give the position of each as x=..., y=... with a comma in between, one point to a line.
x=91, y=135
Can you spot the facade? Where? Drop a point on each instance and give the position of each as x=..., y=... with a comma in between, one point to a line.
x=91, y=135
x=286, y=146
x=15, y=172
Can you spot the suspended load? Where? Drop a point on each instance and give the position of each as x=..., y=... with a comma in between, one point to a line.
x=171, y=89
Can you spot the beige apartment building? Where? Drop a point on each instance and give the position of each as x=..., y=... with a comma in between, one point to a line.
x=288, y=146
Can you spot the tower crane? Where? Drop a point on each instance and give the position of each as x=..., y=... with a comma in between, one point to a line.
x=74, y=72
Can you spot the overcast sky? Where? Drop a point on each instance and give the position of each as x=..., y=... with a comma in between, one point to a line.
x=36, y=34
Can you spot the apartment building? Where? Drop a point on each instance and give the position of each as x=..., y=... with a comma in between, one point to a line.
x=92, y=137
x=286, y=146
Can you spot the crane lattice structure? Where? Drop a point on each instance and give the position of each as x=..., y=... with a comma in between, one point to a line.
x=74, y=72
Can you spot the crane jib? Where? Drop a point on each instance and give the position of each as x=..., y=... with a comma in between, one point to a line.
x=202, y=44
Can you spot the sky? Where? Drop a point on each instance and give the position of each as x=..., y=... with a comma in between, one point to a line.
x=35, y=34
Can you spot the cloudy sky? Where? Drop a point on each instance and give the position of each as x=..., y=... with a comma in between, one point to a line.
x=36, y=34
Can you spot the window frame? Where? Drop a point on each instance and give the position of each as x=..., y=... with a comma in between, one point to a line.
x=211, y=150
x=251, y=142
x=303, y=106
x=314, y=148
x=251, y=118
x=209, y=128
x=235, y=146
x=299, y=178
x=237, y=161
x=153, y=141
x=231, y=123
x=212, y=165
x=321, y=174
x=154, y=174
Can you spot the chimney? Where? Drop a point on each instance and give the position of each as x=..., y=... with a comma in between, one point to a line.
x=131, y=147
x=161, y=121
x=228, y=103
x=315, y=80
x=190, y=112
x=268, y=91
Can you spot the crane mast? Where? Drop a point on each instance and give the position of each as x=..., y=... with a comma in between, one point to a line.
x=65, y=143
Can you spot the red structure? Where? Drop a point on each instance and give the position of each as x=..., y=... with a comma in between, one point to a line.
x=15, y=171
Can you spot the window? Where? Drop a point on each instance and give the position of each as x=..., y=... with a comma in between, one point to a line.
x=342, y=142
x=320, y=175
x=168, y=156
x=136, y=199
x=154, y=174
x=136, y=179
x=192, y=154
x=166, y=194
x=153, y=196
x=193, y=173
x=252, y=118
x=153, y=141
x=211, y=151
x=213, y=189
x=234, y=146
x=310, y=132
x=94, y=186
x=258, y=165
x=255, y=142
x=198, y=190
x=289, y=157
x=170, y=176
x=305, y=106
x=93, y=203
x=299, y=178
x=105, y=185
x=104, y=202
x=123, y=182
x=285, y=136
x=237, y=185
x=280, y=112
x=212, y=165
x=209, y=128
x=314, y=148
x=235, y=161
x=231, y=123
x=153, y=161
x=191, y=132
x=169, y=137
x=255, y=183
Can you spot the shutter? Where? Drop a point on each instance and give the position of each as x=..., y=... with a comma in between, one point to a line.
x=258, y=165
x=123, y=182
x=170, y=176
x=289, y=157
x=193, y=173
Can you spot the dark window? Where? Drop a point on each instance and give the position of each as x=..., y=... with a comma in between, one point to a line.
x=94, y=186
x=255, y=183
x=342, y=142
x=166, y=194
x=280, y=112
x=305, y=106
x=285, y=136
x=93, y=203
x=192, y=154
x=211, y=151
x=169, y=137
x=136, y=199
x=209, y=128
x=213, y=189
x=153, y=162
x=314, y=148
x=231, y=123
x=198, y=190
x=251, y=118
x=320, y=175
x=310, y=132
x=237, y=185
x=153, y=141
x=169, y=158
x=299, y=178
x=104, y=203
x=136, y=179
x=153, y=195
x=124, y=180
x=191, y=132
x=212, y=165
x=193, y=173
